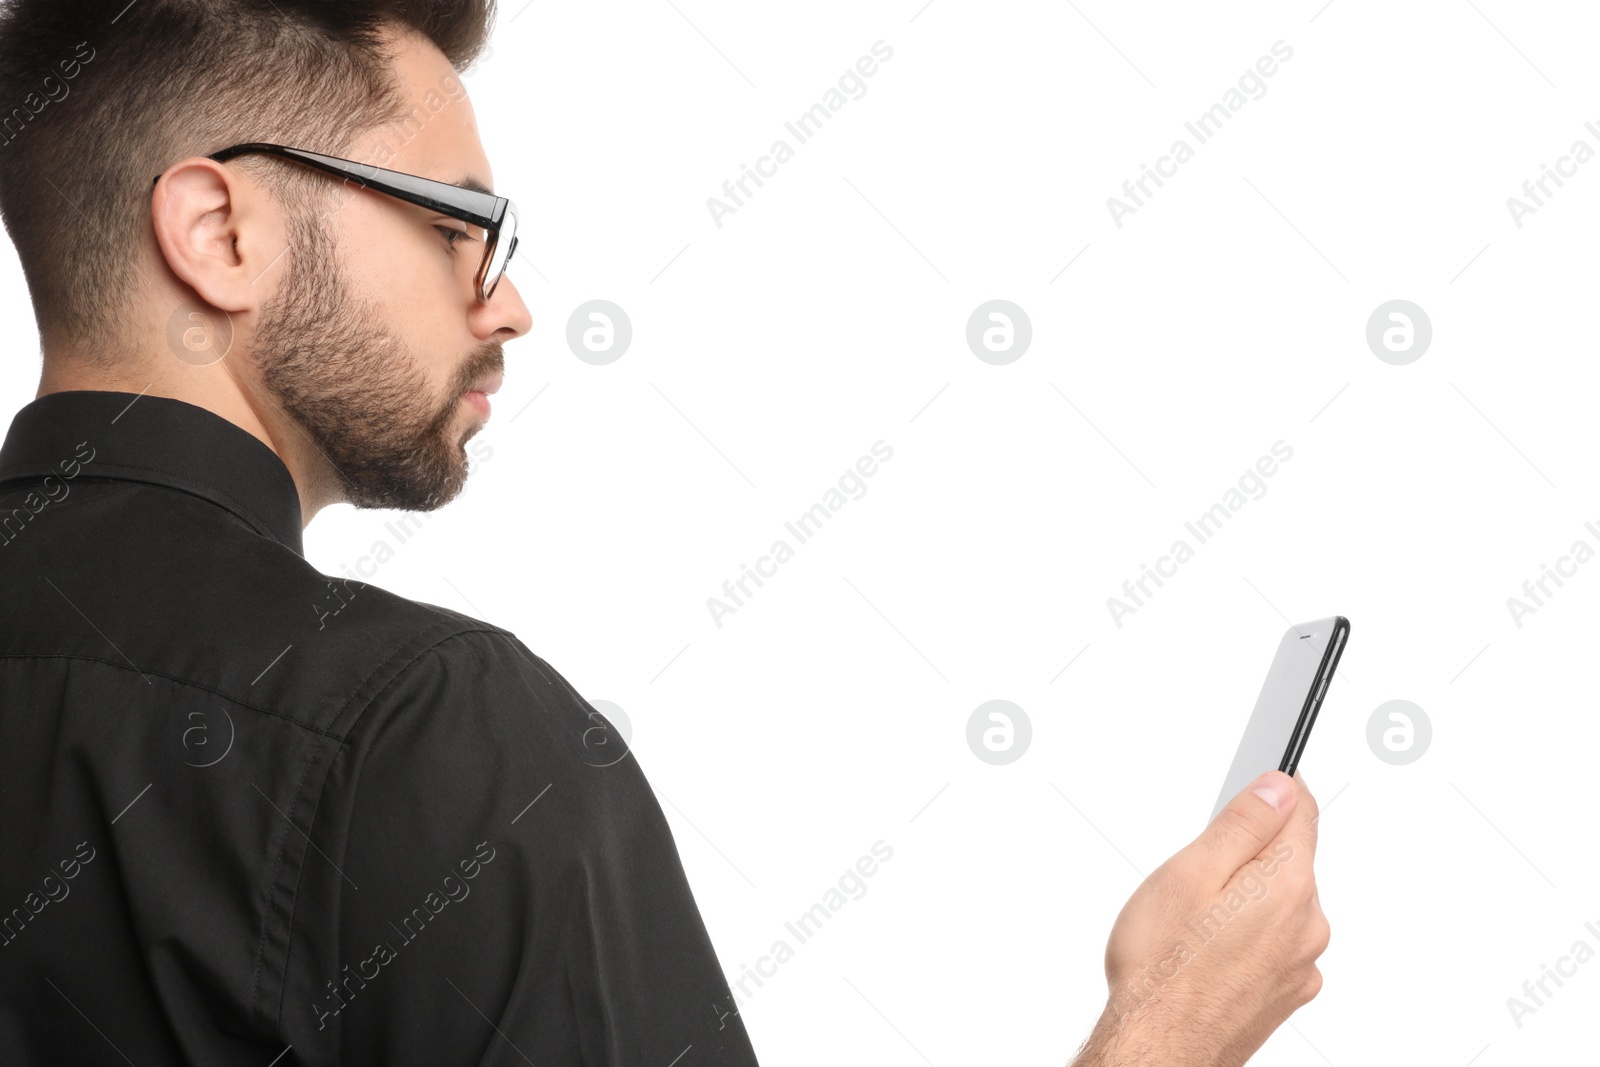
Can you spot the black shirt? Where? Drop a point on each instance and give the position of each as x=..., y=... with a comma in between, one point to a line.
x=249, y=811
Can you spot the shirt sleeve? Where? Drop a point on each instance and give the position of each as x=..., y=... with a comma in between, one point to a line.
x=511, y=892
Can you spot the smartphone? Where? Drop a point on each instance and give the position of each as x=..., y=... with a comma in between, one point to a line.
x=1276, y=735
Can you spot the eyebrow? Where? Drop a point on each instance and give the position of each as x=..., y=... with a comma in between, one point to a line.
x=473, y=184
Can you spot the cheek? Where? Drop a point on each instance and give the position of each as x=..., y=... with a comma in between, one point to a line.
x=409, y=287
x=403, y=264
x=411, y=280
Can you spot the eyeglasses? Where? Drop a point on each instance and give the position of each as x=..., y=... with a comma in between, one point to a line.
x=496, y=214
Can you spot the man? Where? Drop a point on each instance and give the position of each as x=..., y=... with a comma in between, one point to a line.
x=254, y=815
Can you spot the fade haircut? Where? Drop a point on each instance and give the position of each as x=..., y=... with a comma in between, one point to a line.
x=97, y=97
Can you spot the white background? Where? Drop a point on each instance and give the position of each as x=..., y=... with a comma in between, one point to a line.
x=1227, y=314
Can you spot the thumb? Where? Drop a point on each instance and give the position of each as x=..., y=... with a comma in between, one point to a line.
x=1242, y=830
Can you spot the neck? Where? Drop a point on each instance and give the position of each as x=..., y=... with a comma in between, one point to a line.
x=221, y=390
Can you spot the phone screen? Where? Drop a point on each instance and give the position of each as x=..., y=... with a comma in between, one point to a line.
x=1284, y=712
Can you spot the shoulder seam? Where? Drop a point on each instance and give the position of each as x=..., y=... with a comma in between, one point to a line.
x=489, y=628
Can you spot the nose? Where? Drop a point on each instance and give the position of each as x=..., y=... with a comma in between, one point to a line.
x=504, y=316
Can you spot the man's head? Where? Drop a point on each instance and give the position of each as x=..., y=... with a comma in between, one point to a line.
x=340, y=325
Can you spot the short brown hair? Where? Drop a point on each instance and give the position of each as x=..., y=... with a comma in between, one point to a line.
x=99, y=96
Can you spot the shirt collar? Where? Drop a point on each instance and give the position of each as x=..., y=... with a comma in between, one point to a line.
x=158, y=441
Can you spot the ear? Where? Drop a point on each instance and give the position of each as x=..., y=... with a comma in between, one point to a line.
x=218, y=232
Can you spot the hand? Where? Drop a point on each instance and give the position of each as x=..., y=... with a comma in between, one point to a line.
x=1218, y=946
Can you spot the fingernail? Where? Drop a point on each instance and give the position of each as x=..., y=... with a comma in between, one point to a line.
x=1274, y=789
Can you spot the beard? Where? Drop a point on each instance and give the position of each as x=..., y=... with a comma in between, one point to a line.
x=355, y=389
